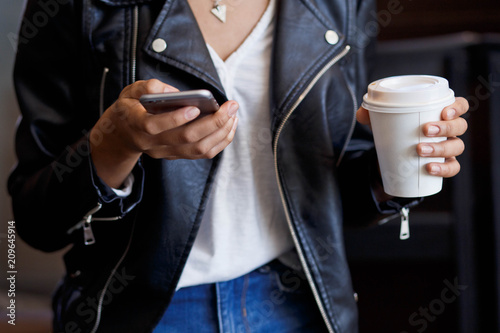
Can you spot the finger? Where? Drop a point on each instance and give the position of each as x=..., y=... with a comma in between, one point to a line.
x=363, y=116
x=139, y=88
x=203, y=127
x=128, y=100
x=448, y=128
x=223, y=144
x=206, y=148
x=455, y=110
x=449, y=168
x=154, y=124
x=202, y=148
x=447, y=148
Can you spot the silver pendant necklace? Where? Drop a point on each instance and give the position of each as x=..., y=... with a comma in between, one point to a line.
x=219, y=11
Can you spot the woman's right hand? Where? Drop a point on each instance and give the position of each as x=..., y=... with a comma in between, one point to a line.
x=126, y=130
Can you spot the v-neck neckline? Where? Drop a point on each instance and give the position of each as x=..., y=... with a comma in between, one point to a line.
x=254, y=35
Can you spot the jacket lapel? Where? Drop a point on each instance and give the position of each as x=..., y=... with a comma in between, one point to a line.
x=301, y=49
x=185, y=46
x=300, y=46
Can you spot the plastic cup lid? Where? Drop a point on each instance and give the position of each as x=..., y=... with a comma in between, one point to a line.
x=408, y=93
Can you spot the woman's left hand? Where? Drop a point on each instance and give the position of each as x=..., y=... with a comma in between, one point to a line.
x=451, y=126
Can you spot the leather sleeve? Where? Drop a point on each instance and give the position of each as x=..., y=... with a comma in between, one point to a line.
x=358, y=172
x=53, y=184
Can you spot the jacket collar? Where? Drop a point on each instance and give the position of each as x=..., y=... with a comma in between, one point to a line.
x=299, y=44
x=301, y=48
x=186, y=48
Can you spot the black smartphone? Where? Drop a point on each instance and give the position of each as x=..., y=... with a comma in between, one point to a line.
x=165, y=102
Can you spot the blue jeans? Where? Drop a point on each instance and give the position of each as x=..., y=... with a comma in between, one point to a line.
x=273, y=298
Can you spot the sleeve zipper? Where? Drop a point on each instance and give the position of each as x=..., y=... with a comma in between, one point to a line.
x=404, y=232
x=404, y=214
x=85, y=223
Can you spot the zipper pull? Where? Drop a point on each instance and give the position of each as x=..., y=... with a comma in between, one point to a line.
x=404, y=233
x=88, y=234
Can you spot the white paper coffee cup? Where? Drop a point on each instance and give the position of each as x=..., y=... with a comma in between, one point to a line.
x=399, y=106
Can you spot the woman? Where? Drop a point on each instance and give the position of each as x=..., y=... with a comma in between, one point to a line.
x=230, y=222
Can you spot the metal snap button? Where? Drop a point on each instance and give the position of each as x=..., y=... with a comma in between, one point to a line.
x=159, y=45
x=331, y=37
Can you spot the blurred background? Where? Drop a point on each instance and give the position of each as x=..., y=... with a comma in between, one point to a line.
x=38, y=272
x=445, y=278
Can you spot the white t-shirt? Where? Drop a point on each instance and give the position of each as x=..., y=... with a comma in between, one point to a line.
x=244, y=224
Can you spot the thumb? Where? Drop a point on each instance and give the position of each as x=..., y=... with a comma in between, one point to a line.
x=363, y=116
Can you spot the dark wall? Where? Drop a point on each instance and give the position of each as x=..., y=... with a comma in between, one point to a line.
x=402, y=19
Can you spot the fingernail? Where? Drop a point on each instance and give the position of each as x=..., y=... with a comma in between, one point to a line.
x=435, y=169
x=235, y=124
x=451, y=113
x=233, y=107
x=191, y=113
x=433, y=130
x=426, y=149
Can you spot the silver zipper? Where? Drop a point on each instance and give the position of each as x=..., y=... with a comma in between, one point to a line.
x=404, y=214
x=135, y=30
x=353, y=125
x=108, y=281
x=85, y=223
x=88, y=234
x=282, y=194
x=389, y=218
x=133, y=69
x=103, y=82
x=404, y=232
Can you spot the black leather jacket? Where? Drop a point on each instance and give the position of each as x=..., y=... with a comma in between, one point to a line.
x=73, y=60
